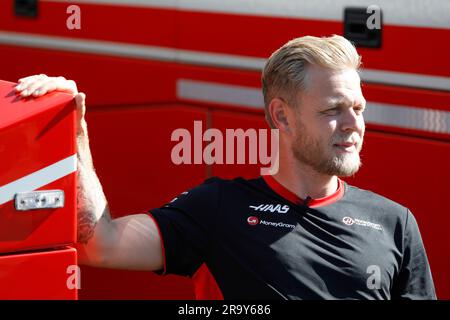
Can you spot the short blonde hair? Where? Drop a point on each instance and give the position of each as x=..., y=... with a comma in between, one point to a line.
x=285, y=72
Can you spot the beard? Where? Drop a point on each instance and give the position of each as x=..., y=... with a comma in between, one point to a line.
x=322, y=158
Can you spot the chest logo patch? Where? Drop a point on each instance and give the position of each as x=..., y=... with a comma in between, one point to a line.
x=353, y=221
x=252, y=220
x=348, y=221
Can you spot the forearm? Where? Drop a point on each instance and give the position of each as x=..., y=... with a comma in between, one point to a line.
x=91, y=200
x=131, y=242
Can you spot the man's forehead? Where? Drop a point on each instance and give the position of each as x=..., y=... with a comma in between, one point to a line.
x=334, y=84
x=325, y=78
x=345, y=98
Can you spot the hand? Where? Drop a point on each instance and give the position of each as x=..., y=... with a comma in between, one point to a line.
x=39, y=85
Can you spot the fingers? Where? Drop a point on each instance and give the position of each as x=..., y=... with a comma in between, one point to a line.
x=24, y=84
x=39, y=85
x=31, y=78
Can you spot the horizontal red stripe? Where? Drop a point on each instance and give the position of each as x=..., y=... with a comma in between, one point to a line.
x=421, y=98
x=110, y=23
x=106, y=80
x=117, y=81
x=260, y=36
x=407, y=132
x=405, y=49
x=114, y=81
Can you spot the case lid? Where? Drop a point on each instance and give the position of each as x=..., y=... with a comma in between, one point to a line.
x=14, y=109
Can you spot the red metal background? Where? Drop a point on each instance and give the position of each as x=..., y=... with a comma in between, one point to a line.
x=133, y=108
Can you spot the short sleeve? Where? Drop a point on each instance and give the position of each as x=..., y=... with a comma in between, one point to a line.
x=186, y=226
x=414, y=281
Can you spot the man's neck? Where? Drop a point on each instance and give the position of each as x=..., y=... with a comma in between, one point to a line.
x=304, y=181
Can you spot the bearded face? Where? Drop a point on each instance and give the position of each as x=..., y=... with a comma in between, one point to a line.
x=327, y=123
x=337, y=155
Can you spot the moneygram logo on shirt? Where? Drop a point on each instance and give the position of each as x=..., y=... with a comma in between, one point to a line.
x=253, y=221
x=351, y=221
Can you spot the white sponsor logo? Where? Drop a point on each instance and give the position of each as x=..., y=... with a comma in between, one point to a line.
x=277, y=224
x=271, y=208
x=351, y=221
x=348, y=221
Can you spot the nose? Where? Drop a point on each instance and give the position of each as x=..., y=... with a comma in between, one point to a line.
x=351, y=121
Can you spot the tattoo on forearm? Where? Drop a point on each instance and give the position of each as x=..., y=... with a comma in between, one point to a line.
x=91, y=201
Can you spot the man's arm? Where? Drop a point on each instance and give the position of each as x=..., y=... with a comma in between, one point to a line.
x=130, y=242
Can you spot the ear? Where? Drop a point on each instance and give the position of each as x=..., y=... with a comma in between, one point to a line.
x=278, y=111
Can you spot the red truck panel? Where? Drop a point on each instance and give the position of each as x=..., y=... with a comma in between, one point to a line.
x=39, y=275
x=37, y=152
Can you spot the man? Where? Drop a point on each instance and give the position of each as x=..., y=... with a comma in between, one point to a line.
x=300, y=234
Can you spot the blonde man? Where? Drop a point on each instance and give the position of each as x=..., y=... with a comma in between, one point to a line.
x=302, y=233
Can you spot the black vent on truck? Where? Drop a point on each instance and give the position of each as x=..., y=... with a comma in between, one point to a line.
x=363, y=26
x=26, y=8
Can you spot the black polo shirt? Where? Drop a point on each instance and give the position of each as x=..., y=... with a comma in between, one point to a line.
x=254, y=239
